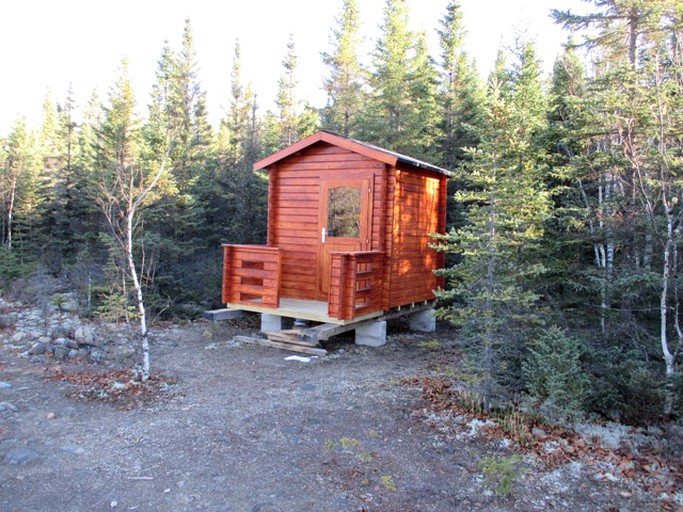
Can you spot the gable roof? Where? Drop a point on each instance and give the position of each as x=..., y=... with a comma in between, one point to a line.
x=362, y=148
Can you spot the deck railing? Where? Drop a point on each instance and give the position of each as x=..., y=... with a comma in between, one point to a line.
x=251, y=275
x=355, y=284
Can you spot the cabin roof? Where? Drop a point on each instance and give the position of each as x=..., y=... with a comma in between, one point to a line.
x=363, y=148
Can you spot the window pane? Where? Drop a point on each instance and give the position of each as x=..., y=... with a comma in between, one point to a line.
x=343, y=212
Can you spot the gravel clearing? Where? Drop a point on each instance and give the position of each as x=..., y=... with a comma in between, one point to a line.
x=238, y=428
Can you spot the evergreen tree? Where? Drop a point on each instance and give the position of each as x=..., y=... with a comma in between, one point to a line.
x=402, y=112
x=287, y=125
x=344, y=87
x=498, y=248
x=388, y=113
x=234, y=130
x=423, y=129
x=49, y=232
x=461, y=93
x=19, y=184
x=234, y=202
x=286, y=99
x=176, y=230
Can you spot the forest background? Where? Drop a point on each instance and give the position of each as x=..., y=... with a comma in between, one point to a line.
x=564, y=226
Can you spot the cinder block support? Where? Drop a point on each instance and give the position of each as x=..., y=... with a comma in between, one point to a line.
x=223, y=314
x=270, y=322
x=372, y=334
x=422, y=321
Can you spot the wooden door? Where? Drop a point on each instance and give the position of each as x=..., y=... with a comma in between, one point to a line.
x=344, y=222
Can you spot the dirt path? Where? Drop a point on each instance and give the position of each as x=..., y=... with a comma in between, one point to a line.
x=244, y=430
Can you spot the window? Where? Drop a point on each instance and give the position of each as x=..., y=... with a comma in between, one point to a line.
x=343, y=212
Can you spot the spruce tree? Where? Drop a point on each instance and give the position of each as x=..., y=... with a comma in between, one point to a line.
x=286, y=98
x=387, y=117
x=493, y=282
x=345, y=84
x=19, y=185
x=460, y=91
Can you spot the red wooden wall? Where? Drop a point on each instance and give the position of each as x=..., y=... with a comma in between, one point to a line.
x=419, y=207
x=293, y=210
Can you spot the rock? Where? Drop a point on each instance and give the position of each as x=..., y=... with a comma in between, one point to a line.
x=76, y=450
x=62, y=331
x=37, y=348
x=73, y=354
x=97, y=355
x=44, y=339
x=5, y=385
x=51, y=416
x=18, y=337
x=18, y=456
x=67, y=342
x=124, y=351
x=61, y=352
x=538, y=432
x=84, y=335
x=8, y=406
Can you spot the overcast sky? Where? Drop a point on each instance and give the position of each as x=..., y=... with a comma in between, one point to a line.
x=49, y=44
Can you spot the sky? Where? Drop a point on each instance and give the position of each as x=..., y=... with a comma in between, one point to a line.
x=48, y=45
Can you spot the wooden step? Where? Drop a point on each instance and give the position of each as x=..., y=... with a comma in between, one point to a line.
x=291, y=336
x=292, y=347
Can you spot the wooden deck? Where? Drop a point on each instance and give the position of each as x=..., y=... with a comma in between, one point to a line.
x=315, y=311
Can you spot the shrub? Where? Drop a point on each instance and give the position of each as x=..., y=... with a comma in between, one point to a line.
x=552, y=372
x=12, y=267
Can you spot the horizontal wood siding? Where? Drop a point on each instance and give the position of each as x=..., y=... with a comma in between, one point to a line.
x=355, y=284
x=251, y=275
x=418, y=211
x=294, y=210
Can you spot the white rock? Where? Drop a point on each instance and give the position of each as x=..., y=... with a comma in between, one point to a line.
x=18, y=337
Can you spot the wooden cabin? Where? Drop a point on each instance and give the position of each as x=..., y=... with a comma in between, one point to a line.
x=349, y=229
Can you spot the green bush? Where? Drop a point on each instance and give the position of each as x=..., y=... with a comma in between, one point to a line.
x=625, y=387
x=12, y=267
x=552, y=372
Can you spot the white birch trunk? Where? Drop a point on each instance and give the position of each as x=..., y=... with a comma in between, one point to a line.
x=10, y=210
x=669, y=360
x=138, y=295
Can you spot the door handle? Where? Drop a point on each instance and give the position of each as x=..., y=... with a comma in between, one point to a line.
x=323, y=235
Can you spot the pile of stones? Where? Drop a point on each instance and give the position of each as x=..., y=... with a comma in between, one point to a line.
x=57, y=332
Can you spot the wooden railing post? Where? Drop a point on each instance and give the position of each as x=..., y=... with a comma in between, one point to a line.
x=227, y=272
x=349, y=291
x=355, y=284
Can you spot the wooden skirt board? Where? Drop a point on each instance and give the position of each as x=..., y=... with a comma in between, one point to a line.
x=316, y=311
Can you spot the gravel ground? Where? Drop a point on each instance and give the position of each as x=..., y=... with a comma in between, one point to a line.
x=244, y=430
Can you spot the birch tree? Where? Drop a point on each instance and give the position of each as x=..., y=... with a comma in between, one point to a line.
x=128, y=184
